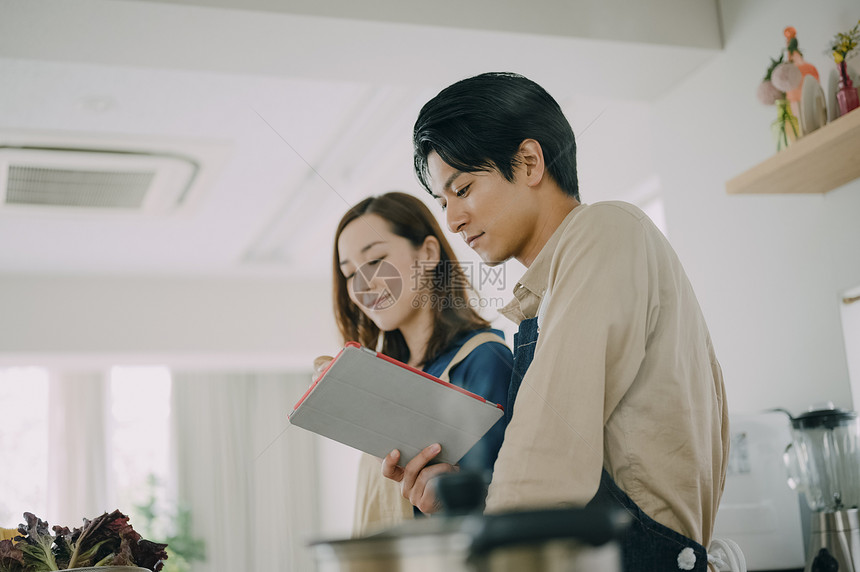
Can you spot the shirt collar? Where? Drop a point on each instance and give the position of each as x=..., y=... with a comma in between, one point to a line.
x=531, y=288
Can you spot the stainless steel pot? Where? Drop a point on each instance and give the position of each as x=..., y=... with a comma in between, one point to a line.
x=560, y=540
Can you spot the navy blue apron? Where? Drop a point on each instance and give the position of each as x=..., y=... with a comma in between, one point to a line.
x=648, y=546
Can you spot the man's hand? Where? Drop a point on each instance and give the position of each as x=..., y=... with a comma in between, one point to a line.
x=416, y=477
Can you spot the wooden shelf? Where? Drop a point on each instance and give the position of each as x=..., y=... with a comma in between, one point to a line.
x=825, y=159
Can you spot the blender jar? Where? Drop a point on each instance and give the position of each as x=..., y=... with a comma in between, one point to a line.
x=823, y=460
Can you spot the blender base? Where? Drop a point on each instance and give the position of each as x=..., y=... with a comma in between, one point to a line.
x=834, y=544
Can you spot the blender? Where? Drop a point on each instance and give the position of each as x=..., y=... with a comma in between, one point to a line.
x=823, y=462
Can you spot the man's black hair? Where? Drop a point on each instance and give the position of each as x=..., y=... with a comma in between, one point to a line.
x=478, y=124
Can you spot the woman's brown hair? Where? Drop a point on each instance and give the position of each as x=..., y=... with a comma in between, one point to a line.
x=453, y=314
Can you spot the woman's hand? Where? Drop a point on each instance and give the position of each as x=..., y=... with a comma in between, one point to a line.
x=416, y=478
x=320, y=363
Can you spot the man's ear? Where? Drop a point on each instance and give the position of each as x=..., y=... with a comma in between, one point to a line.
x=531, y=161
x=430, y=252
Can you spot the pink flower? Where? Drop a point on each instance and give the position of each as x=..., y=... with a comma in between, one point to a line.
x=786, y=76
x=768, y=94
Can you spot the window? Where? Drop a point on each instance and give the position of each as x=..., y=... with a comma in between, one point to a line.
x=23, y=443
x=137, y=441
x=139, y=422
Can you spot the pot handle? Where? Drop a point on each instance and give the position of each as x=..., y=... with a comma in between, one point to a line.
x=590, y=525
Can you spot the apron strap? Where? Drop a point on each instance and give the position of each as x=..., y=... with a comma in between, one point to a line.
x=466, y=349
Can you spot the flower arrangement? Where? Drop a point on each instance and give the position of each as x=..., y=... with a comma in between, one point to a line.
x=782, y=83
x=843, y=45
x=781, y=77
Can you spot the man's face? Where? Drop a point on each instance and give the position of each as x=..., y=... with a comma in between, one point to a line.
x=493, y=216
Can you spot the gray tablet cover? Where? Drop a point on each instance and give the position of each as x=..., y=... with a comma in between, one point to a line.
x=375, y=404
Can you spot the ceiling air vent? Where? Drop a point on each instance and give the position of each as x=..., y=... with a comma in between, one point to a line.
x=93, y=179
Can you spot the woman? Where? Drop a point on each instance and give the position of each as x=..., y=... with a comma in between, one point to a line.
x=398, y=288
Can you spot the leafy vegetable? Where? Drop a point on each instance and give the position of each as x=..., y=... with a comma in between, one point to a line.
x=149, y=554
x=11, y=557
x=37, y=544
x=107, y=540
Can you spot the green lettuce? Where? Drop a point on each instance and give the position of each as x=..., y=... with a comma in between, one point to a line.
x=107, y=540
x=37, y=544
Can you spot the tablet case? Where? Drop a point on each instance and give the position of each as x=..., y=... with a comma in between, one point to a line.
x=376, y=404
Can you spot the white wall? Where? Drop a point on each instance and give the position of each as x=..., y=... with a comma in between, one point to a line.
x=851, y=329
x=769, y=270
x=250, y=322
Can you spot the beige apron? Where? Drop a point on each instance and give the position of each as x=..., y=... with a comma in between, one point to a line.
x=378, y=502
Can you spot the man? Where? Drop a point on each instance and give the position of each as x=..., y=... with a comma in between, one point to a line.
x=617, y=395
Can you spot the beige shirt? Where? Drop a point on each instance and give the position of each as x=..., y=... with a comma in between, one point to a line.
x=624, y=377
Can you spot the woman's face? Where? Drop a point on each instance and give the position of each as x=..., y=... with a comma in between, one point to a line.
x=383, y=271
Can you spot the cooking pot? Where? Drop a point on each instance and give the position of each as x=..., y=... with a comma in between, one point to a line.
x=465, y=540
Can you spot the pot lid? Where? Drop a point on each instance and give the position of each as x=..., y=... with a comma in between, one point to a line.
x=479, y=533
x=463, y=525
x=590, y=526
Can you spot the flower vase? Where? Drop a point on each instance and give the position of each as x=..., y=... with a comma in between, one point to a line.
x=786, y=128
x=806, y=69
x=847, y=94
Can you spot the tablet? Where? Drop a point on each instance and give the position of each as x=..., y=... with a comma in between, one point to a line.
x=376, y=404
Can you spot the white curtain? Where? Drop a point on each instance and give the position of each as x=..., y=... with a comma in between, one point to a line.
x=79, y=484
x=247, y=476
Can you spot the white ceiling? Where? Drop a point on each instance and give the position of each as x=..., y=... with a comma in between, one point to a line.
x=300, y=109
